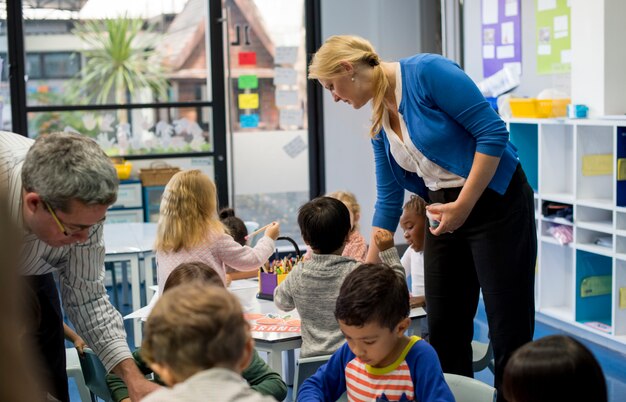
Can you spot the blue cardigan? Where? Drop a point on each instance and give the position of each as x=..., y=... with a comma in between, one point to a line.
x=448, y=120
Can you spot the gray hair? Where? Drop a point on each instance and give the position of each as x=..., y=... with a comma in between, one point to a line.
x=61, y=167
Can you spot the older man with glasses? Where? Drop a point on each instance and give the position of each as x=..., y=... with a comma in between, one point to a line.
x=59, y=188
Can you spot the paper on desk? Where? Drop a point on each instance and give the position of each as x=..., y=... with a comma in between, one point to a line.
x=143, y=312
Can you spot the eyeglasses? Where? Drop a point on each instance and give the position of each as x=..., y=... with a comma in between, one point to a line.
x=63, y=228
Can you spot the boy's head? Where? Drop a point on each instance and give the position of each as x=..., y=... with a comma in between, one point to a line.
x=325, y=224
x=413, y=222
x=553, y=368
x=235, y=226
x=192, y=272
x=193, y=328
x=373, y=313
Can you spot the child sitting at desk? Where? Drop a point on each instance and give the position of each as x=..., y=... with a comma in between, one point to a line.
x=378, y=362
x=198, y=341
x=312, y=286
x=356, y=246
x=413, y=224
x=189, y=229
x=258, y=374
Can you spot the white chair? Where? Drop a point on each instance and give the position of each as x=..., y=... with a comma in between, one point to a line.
x=482, y=356
x=74, y=370
x=467, y=389
x=305, y=368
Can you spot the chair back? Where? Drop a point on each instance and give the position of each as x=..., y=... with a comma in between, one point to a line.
x=467, y=389
x=95, y=375
x=305, y=368
x=482, y=356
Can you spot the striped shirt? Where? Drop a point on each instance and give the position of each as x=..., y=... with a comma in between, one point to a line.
x=80, y=266
x=414, y=376
x=366, y=383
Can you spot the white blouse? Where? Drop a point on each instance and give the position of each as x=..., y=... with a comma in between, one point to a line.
x=409, y=157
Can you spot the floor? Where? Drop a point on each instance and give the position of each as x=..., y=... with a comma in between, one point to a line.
x=613, y=363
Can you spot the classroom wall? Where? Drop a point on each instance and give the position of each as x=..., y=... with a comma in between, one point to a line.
x=392, y=28
x=531, y=82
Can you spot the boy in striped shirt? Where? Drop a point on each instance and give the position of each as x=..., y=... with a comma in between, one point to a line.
x=378, y=362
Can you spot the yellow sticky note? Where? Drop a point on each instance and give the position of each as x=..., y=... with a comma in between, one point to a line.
x=622, y=298
x=597, y=165
x=248, y=101
x=621, y=169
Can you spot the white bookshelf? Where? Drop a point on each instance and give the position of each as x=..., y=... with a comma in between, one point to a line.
x=552, y=153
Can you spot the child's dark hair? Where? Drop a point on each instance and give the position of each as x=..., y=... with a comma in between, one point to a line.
x=416, y=204
x=554, y=368
x=192, y=272
x=236, y=228
x=373, y=293
x=324, y=223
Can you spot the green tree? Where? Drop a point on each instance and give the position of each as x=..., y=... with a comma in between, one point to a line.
x=120, y=60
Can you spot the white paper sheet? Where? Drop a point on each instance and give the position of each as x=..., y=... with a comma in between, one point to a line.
x=507, y=34
x=285, y=76
x=489, y=52
x=490, y=11
x=543, y=5
x=560, y=23
x=286, y=98
x=566, y=56
x=544, y=50
x=286, y=55
x=505, y=52
x=510, y=8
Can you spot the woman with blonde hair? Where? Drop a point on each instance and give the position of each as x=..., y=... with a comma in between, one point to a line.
x=435, y=135
x=189, y=229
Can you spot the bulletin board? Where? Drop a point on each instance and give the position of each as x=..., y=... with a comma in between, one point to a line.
x=502, y=36
x=554, y=41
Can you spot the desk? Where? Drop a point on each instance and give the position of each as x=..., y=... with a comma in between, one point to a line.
x=274, y=343
x=131, y=242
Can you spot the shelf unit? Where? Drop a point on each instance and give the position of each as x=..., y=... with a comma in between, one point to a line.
x=567, y=161
x=129, y=204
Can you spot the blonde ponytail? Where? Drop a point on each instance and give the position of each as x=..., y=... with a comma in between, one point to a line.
x=326, y=64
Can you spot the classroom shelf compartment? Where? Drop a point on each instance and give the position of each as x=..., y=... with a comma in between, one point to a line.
x=556, y=267
x=525, y=138
x=594, y=177
x=593, y=302
x=592, y=218
x=556, y=181
x=619, y=299
x=152, y=202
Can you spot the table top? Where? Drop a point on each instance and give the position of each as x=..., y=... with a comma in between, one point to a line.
x=124, y=238
x=246, y=291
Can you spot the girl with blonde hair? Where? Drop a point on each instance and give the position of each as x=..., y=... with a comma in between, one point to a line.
x=435, y=135
x=189, y=229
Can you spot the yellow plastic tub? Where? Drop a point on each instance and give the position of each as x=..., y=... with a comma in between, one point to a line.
x=123, y=169
x=539, y=108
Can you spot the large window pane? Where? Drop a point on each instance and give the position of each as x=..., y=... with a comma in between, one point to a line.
x=134, y=132
x=267, y=109
x=86, y=53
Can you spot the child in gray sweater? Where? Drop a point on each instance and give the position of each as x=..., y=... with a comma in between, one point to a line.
x=313, y=286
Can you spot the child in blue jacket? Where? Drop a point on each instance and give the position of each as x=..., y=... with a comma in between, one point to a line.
x=378, y=362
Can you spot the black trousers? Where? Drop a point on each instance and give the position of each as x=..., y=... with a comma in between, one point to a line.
x=47, y=337
x=495, y=250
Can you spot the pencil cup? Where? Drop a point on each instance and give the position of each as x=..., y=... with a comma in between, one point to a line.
x=433, y=219
x=267, y=284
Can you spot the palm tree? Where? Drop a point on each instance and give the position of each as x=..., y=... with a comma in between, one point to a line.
x=120, y=60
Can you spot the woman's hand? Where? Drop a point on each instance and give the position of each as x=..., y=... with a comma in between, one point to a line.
x=452, y=216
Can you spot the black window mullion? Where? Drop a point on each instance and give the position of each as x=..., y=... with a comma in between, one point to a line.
x=17, y=60
x=220, y=162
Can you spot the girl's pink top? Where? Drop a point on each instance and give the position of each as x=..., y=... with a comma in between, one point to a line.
x=217, y=252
